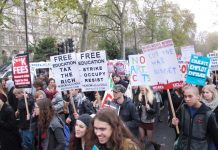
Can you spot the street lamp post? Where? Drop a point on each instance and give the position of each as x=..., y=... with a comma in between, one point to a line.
x=25, y=17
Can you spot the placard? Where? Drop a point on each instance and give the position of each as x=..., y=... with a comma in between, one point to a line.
x=162, y=65
x=138, y=70
x=93, y=70
x=66, y=72
x=213, y=61
x=197, y=70
x=187, y=51
x=21, y=71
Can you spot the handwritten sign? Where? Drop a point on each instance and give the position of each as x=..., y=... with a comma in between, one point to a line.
x=197, y=70
x=21, y=71
x=162, y=64
x=138, y=70
x=93, y=70
x=187, y=51
x=65, y=70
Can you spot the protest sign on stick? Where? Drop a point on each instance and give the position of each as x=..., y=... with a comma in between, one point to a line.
x=163, y=66
x=21, y=75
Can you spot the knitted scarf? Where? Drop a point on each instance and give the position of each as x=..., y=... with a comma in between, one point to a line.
x=213, y=104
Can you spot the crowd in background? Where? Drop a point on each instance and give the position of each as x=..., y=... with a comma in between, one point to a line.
x=54, y=114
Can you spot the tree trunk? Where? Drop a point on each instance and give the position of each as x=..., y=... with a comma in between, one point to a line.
x=122, y=41
x=84, y=32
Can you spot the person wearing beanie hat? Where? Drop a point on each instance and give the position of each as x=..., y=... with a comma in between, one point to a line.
x=79, y=133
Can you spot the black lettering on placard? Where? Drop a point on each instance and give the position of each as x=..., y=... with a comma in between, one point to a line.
x=67, y=81
x=94, y=80
x=62, y=58
x=90, y=55
x=99, y=68
x=66, y=75
x=94, y=74
x=89, y=62
x=65, y=69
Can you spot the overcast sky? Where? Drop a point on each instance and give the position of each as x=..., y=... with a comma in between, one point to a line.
x=206, y=13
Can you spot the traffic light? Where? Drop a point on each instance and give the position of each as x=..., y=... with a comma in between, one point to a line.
x=61, y=48
x=71, y=45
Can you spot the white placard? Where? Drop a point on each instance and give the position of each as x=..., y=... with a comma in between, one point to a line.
x=138, y=70
x=66, y=72
x=213, y=61
x=162, y=63
x=93, y=70
x=187, y=51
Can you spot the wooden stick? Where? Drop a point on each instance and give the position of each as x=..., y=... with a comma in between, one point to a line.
x=26, y=104
x=172, y=108
x=216, y=78
x=72, y=103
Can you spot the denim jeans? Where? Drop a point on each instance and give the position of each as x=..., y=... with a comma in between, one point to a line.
x=27, y=139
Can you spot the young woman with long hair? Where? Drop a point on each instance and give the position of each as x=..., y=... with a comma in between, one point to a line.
x=51, y=133
x=108, y=132
x=147, y=108
x=79, y=133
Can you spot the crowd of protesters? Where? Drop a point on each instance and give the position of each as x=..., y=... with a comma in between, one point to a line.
x=52, y=112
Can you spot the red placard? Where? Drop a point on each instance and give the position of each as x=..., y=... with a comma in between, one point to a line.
x=21, y=71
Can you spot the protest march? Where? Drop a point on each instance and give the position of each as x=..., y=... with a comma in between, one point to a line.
x=83, y=101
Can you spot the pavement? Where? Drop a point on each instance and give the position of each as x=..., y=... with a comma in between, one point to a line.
x=162, y=133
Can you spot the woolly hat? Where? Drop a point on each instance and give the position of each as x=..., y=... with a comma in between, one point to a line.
x=119, y=88
x=86, y=119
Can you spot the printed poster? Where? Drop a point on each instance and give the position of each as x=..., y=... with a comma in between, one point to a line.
x=197, y=70
x=66, y=72
x=21, y=71
x=93, y=70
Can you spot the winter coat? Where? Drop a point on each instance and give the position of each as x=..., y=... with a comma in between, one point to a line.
x=9, y=135
x=150, y=114
x=58, y=102
x=196, y=130
x=12, y=100
x=56, y=139
x=23, y=122
x=129, y=115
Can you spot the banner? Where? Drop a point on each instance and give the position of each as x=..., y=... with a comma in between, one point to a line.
x=187, y=51
x=21, y=71
x=93, y=70
x=162, y=65
x=66, y=72
x=138, y=70
x=197, y=70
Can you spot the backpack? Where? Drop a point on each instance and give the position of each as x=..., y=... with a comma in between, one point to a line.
x=66, y=133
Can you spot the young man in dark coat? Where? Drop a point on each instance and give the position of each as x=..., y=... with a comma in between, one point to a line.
x=127, y=111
